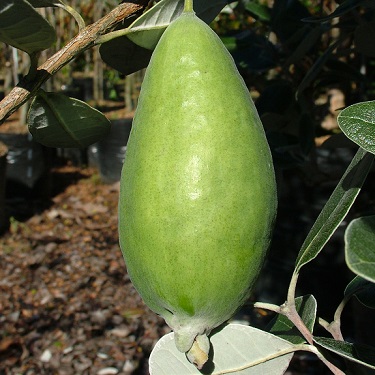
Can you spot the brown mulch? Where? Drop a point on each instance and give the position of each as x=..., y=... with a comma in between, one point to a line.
x=67, y=305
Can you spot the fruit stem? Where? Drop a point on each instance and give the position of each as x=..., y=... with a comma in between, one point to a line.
x=198, y=353
x=188, y=6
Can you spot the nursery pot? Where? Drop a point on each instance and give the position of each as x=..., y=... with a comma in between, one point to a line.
x=108, y=155
x=25, y=161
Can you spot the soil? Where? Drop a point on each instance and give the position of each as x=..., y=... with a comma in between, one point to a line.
x=67, y=305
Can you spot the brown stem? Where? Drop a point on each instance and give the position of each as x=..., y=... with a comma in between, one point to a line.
x=27, y=87
x=291, y=313
x=334, y=328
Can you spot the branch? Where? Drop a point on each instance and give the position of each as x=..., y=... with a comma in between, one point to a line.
x=86, y=39
x=334, y=328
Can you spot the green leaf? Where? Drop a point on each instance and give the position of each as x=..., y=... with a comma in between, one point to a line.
x=234, y=347
x=363, y=354
x=148, y=28
x=284, y=328
x=358, y=123
x=130, y=53
x=124, y=55
x=316, y=68
x=336, y=207
x=311, y=37
x=254, y=52
x=286, y=21
x=230, y=42
x=258, y=10
x=21, y=26
x=363, y=290
x=56, y=120
x=360, y=247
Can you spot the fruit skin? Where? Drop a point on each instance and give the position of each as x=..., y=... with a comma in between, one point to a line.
x=198, y=194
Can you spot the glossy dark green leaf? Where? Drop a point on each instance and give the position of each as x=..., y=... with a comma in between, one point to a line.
x=21, y=26
x=124, y=55
x=56, y=120
x=254, y=52
x=358, y=353
x=360, y=247
x=358, y=123
x=336, y=207
x=286, y=21
x=260, y=11
x=363, y=290
x=282, y=327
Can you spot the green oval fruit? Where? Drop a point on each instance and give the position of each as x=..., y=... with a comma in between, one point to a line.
x=198, y=195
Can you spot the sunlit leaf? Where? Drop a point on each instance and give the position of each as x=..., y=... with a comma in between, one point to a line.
x=56, y=120
x=234, y=347
x=363, y=290
x=360, y=247
x=336, y=207
x=147, y=29
x=284, y=328
x=358, y=123
x=358, y=353
x=21, y=26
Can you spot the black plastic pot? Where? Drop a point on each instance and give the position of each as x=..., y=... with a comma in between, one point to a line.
x=108, y=155
x=25, y=161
